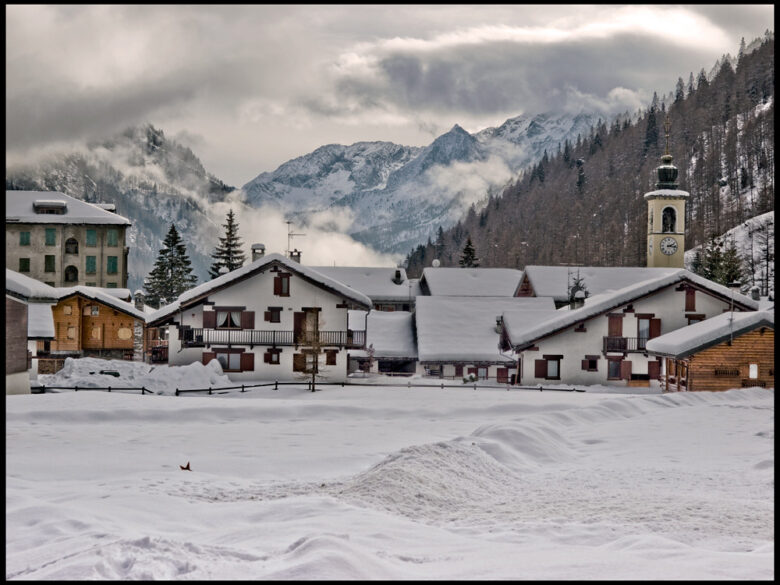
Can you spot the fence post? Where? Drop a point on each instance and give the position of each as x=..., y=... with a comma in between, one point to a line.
x=109, y=388
x=276, y=384
x=76, y=388
x=242, y=387
x=475, y=386
x=143, y=390
x=210, y=386
x=177, y=391
x=442, y=385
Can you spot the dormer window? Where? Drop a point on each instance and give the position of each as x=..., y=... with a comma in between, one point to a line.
x=50, y=206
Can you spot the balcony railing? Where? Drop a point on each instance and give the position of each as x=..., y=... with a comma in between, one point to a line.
x=625, y=344
x=199, y=337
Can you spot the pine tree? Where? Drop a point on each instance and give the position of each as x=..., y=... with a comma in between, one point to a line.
x=172, y=272
x=468, y=258
x=228, y=253
x=730, y=269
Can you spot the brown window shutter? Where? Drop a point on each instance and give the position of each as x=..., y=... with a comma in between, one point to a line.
x=540, y=368
x=267, y=316
x=247, y=361
x=209, y=319
x=473, y=371
x=267, y=357
x=625, y=369
x=459, y=370
x=277, y=285
x=690, y=299
x=208, y=356
x=615, y=326
x=585, y=364
x=330, y=358
x=299, y=362
x=247, y=319
x=654, y=370
x=502, y=375
x=655, y=328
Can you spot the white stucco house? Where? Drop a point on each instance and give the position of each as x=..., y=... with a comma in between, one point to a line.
x=603, y=341
x=272, y=319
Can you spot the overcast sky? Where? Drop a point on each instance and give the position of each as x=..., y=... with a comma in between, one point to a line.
x=250, y=87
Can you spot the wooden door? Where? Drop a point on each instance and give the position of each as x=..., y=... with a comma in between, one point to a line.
x=299, y=325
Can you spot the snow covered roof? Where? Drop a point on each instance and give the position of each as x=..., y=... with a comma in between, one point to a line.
x=392, y=334
x=703, y=334
x=463, y=329
x=193, y=295
x=471, y=282
x=26, y=287
x=606, y=301
x=100, y=294
x=374, y=282
x=677, y=193
x=40, y=321
x=554, y=281
x=19, y=208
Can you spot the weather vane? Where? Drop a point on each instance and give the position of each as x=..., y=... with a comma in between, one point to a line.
x=667, y=126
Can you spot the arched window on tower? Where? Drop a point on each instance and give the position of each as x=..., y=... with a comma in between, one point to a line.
x=668, y=220
x=71, y=246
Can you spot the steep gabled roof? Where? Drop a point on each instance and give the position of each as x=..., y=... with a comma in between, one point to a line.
x=689, y=340
x=195, y=295
x=471, y=282
x=99, y=294
x=607, y=301
x=28, y=288
x=19, y=208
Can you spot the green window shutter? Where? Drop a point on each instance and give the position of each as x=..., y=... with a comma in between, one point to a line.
x=91, y=237
x=110, y=285
x=111, y=267
x=24, y=238
x=51, y=236
x=91, y=264
x=112, y=237
x=48, y=261
x=24, y=265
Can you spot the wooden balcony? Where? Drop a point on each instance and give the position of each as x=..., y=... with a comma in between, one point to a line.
x=199, y=337
x=625, y=344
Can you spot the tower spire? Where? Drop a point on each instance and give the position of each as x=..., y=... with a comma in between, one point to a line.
x=667, y=172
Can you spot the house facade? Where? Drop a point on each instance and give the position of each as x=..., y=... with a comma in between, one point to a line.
x=273, y=319
x=63, y=241
x=605, y=340
x=731, y=350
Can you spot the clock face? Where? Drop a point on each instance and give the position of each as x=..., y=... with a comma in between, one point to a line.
x=668, y=246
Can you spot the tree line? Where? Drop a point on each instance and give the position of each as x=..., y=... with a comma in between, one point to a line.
x=583, y=204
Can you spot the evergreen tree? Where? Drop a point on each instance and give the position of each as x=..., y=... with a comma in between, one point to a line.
x=651, y=130
x=730, y=266
x=228, y=253
x=468, y=258
x=172, y=272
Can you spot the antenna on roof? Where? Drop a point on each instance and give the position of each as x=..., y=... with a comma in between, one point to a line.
x=290, y=236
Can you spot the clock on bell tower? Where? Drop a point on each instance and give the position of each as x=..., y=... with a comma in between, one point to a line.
x=666, y=215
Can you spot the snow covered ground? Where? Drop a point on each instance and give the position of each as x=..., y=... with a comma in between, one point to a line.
x=367, y=482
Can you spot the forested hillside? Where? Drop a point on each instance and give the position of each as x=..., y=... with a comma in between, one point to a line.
x=584, y=203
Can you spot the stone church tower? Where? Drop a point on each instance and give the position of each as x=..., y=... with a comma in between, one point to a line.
x=666, y=216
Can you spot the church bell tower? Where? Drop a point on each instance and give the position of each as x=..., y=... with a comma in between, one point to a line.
x=666, y=216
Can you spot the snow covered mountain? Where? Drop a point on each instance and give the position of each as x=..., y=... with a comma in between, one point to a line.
x=152, y=180
x=397, y=196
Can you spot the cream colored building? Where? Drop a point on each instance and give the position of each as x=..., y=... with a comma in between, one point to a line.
x=63, y=241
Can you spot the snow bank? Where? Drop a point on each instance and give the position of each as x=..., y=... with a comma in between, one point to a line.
x=161, y=379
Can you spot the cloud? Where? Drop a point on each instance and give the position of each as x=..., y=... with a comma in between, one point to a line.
x=469, y=181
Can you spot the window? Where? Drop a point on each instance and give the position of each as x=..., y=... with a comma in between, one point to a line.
x=643, y=331
x=229, y=361
x=274, y=315
x=91, y=238
x=613, y=369
x=49, y=283
x=330, y=357
x=271, y=356
x=111, y=265
x=459, y=370
x=71, y=246
x=753, y=373
x=71, y=274
x=24, y=238
x=668, y=220
x=695, y=318
x=51, y=236
x=549, y=367
x=110, y=285
x=690, y=299
x=482, y=373
x=282, y=285
x=591, y=363
x=112, y=237
x=48, y=263
x=24, y=265
x=90, y=284
x=91, y=264
x=228, y=319
x=91, y=310
x=67, y=310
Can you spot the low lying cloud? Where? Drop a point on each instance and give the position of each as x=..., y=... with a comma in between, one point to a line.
x=470, y=182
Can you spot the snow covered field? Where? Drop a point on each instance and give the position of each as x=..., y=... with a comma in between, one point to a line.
x=367, y=482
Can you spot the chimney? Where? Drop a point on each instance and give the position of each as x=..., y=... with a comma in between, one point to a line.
x=295, y=255
x=579, y=299
x=398, y=279
x=258, y=251
x=755, y=293
x=139, y=299
x=499, y=324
